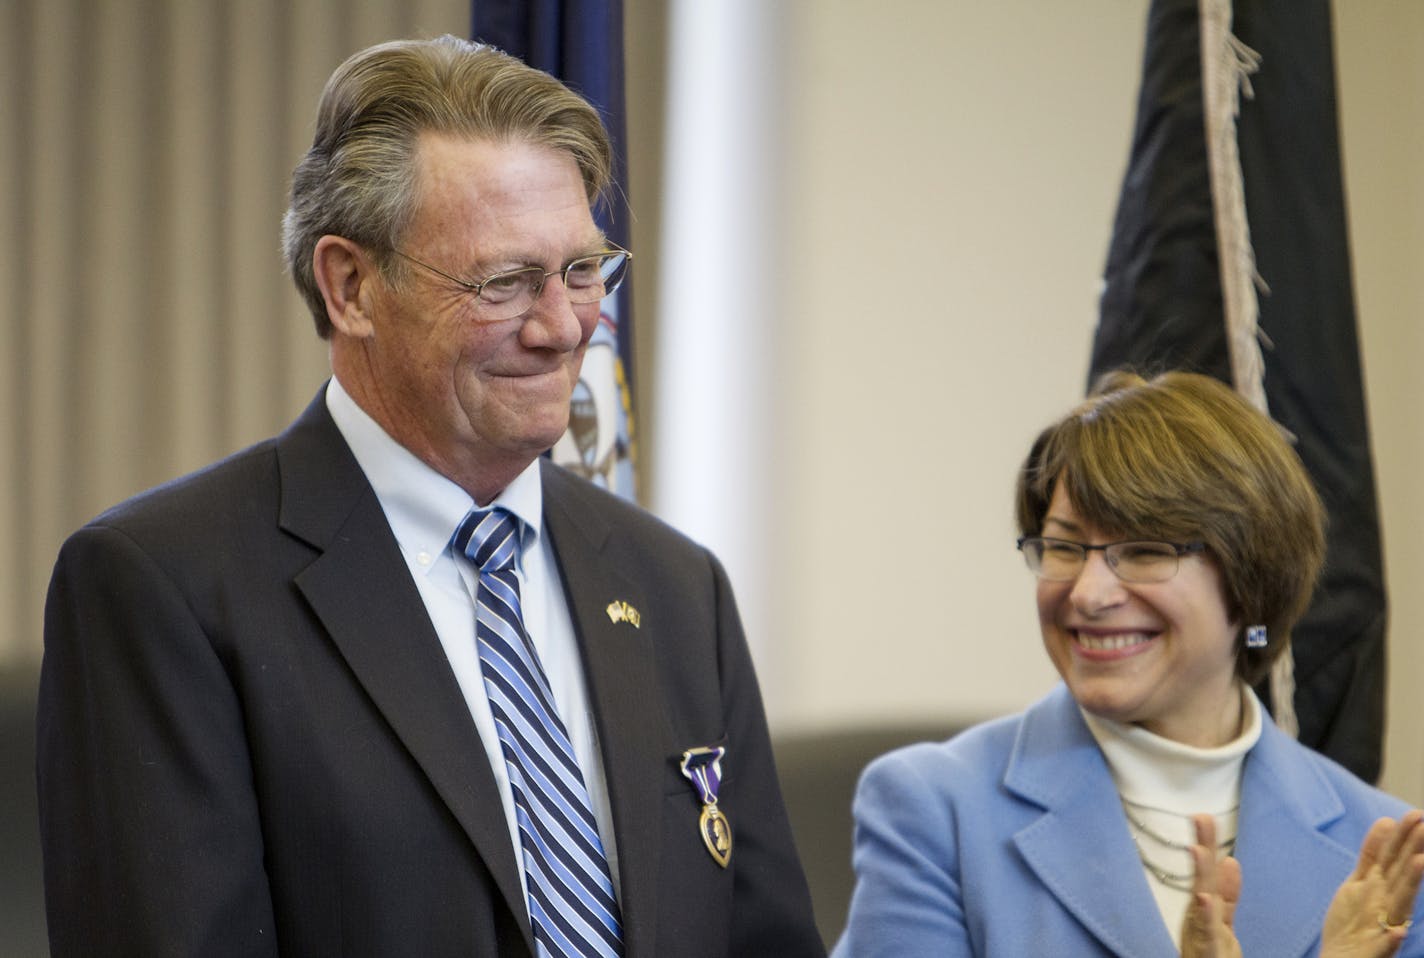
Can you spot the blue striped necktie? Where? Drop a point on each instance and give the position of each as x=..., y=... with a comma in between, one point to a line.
x=571, y=904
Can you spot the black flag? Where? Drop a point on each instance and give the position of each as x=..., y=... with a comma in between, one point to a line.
x=1228, y=222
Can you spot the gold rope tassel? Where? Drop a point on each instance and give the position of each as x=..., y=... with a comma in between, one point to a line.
x=1227, y=65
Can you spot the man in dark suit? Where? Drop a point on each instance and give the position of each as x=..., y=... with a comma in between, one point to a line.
x=268, y=723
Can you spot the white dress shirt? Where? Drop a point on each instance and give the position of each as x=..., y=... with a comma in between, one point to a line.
x=424, y=508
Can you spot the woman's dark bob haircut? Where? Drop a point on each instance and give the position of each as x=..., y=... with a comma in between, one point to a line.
x=1181, y=457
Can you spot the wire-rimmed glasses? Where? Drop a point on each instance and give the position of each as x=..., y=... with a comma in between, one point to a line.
x=511, y=294
x=1136, y=560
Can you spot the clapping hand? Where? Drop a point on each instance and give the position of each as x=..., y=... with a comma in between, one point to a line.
x=1371, y=913
x=1206, y=928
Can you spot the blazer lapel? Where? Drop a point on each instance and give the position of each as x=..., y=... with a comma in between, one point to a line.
x=1079, y=848
x=1290, y=868
x=360, y=589
x=626, y=698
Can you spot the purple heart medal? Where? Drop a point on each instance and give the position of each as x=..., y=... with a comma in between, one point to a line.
x=703, y=768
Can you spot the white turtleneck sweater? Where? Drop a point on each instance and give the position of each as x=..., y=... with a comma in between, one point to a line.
x=1163, y=784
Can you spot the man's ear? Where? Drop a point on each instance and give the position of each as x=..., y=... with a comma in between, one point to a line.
x=345, y=275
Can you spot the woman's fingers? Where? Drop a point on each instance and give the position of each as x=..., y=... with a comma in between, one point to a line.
x=1402, y=863
x=1229, y=888
x=1216, y=886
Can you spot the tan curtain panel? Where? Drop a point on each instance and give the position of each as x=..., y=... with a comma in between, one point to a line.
x=145, y=148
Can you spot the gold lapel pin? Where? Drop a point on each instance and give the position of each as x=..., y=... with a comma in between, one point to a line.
x=620, y=611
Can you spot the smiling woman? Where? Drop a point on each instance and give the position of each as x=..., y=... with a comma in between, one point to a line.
x=1181, y=460
x=1159, y=654
x=1185, y=459
x=1175, y=538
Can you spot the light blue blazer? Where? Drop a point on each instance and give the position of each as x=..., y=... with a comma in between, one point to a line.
x=1009, y=840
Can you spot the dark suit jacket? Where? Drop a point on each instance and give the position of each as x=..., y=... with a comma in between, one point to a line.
x=251, y=742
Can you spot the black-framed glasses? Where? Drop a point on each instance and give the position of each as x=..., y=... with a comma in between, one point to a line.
x=513, y=293
x=1136, y=560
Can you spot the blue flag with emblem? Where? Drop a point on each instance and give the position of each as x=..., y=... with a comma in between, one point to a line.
x=581, y=43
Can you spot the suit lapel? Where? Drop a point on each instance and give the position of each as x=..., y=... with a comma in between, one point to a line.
x=625, y=693
x=360, y=589
x=1079, y=848
x=1290, y=868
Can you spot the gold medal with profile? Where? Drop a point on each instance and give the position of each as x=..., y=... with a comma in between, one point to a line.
x=703, y=768
x=716, y=834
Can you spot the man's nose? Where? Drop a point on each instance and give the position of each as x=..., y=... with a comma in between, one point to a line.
x=553, y=322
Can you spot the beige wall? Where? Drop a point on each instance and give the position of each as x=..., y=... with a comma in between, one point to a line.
x=968, y=157
x=1380, y=59
x=951, y=174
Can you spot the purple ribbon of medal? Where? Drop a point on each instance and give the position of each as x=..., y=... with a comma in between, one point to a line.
x=703, y=768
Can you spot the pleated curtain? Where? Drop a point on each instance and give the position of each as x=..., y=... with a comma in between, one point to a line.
x=145, y=150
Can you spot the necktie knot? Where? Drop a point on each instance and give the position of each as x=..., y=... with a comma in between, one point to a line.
x=490, y=539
